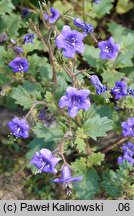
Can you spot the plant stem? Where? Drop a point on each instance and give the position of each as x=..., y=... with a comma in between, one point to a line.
x=87, y=148
x=33, y=106
x=114, y=64
x=114, y=145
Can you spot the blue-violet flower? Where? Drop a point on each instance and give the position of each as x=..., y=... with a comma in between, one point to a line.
x=109, y=49
x=54, y=15
x=119, y=90
x=25, y=12
x=87, y=28
x=67, y=180
x=45, y=161
x=130, y=92
x=75, y=100
x=19, y=127
x=128, y=151
x=70, y=41
x=97, y=1
x=19, y=65
x=100, y=88
x=18, y=49
x=128, y=127
x=28, y=38
x=66, y=176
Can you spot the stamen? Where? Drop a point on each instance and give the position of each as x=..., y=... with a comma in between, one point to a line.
x=40, y=170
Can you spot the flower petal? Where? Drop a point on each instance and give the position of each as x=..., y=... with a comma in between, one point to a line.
x=66, y=174
x=54, y=161
x=46, y=154
x=72, y=111
x=75, y=179
x=36, y=160
x=71, y=91
x=69, y=52
x=66, y=30
x=84, y=105
x=64, y=101
x=84, y=93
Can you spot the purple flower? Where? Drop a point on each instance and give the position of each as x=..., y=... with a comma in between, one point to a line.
x=25, y=12
x=19, y=65
x=19, y=127
x=45, y=161
x=130, y=92
x=119, y=90
x=109, y=49
x=87, y=28
x=120, y=160
x=54, y=15
x=70, y=41
x=100, y=88
x=75, y=100
x=28, y=38
x=128, y=151
x=128, y=127
x=97, y=1
x=66, y=177
x=17, y=49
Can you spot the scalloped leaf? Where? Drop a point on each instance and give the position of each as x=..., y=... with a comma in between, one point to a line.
x=97, y=127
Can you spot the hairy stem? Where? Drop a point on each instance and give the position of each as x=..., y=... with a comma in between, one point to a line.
x=33, y=106
x=114, y=145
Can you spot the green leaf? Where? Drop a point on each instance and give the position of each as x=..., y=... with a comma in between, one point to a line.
x=49, y=134
x=118, y=31
x=62, y=6
x=12, y=24
x=22, y=97
x=6, y=6
x=128, y=102
x=36, y=63
x=34, y=89
x=97, y=126
x=79, y=141
x=115, y=183
x=92, y=56
x=80, y=144
x=50, y=101
x=45, y=72
x=124, y=6
x=110, y=77
x=124, y=60
x=128, y=42
x=4, y=79
x=104, y=7
x=79, y=165
x=95, y=159
x=89, y=186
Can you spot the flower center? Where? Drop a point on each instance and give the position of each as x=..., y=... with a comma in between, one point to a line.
x=75, y=100
x=20, y=67
x=42, y=167
x=72, y=42
x=108, y=48
x=17, y=129
x=118, y=89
